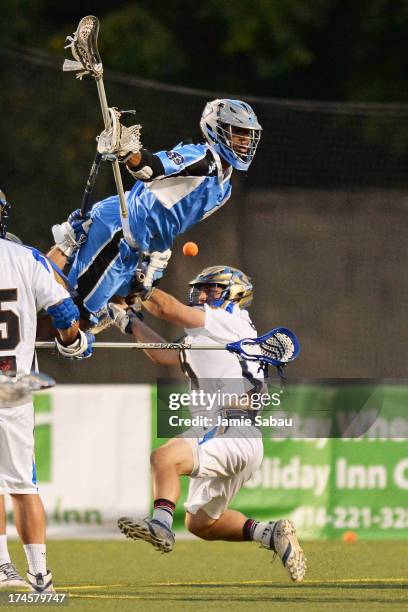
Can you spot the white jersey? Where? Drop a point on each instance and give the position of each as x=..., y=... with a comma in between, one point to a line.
x=221, y=370
x=27, y=285
x=221, y=327
x=223, y=461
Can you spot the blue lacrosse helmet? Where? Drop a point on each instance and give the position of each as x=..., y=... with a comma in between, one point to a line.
x=4, y=214
x=221, y=121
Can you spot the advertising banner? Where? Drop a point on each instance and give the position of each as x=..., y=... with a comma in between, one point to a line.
x=93, y=444
x=335, y=453
x=92, y=456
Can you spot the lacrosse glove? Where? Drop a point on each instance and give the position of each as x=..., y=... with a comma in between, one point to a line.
x=153, y=268
x=69, y=236
x=81, y=348
x=117, y=139
x=124, y=319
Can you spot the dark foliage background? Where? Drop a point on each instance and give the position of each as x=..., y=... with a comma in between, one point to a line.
x=319, y=221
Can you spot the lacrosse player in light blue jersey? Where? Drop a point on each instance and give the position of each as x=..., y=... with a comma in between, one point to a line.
x=174, y=190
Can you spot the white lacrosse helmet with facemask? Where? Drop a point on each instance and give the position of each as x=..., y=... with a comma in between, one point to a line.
x=224, y=119
x=236, y=287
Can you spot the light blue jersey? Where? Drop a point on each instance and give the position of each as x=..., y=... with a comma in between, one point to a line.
x=188, y=185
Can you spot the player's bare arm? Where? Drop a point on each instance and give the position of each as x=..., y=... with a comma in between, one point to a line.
x=129, y=323
x=164, y=306
x=144, y=333
x=68, y=336
x=58, y=257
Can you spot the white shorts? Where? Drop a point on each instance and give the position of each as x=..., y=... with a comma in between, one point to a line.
x=17, y=466
x=222, y=465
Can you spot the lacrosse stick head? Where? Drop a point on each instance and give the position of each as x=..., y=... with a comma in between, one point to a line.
x=84, y=49
x=277, y=347
x=18, y=388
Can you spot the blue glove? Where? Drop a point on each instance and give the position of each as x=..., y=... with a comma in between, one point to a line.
x=69, y=236
x=80, y=349
x=80, y=225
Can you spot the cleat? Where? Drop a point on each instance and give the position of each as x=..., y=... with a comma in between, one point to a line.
x=40, y=583
x=10, y=578
x=280, y=536
x=150, y=530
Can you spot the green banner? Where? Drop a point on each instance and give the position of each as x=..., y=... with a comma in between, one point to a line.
x=331, y=486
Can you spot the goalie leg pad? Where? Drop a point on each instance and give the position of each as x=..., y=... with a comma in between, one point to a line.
x=64, y=314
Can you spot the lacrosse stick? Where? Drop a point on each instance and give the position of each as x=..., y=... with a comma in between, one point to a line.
x=17, y=388
x=277, y=347
x=105, y=156
x=84, y=48
x=90, y=183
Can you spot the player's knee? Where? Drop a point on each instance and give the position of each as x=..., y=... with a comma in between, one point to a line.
x=160, y=458
x=193, y=526
x=197, y=527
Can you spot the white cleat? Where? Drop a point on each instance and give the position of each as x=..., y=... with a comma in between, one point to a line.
x=150, y=530
x=10, y=578
x=280, y=536
x=40, y=583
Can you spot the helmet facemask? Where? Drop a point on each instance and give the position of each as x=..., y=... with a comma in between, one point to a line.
x=223, y=122
x=215, y=301
x=244, y=153
x=4, y=214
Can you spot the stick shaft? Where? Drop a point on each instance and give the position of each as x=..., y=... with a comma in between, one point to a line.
x=90, y=184
x=102, y=99
x=115, y=165
x=145, y=346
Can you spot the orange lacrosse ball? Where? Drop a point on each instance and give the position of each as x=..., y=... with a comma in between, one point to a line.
x=349, y=536
x=190, y=249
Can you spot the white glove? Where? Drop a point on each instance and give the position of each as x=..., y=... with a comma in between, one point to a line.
x=80, y=349
x=69, y=236
x=156, y=267
x=124, y=319
x=118, y=139
x=143, y=174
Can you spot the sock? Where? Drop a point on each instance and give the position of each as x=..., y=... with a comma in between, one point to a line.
x=253, y=530
x=36, y=558
x=4, y=553
x=163, y=511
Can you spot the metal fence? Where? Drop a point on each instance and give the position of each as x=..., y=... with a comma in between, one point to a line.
x=319, y=221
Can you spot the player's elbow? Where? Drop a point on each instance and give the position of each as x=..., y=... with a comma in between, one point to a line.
x=163, y=357
x=155, y=357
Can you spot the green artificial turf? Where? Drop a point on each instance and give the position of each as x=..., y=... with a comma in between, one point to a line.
x=126, y=575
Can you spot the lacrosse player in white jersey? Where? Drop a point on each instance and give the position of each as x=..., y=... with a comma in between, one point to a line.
x=218, y=464
x=27, y=284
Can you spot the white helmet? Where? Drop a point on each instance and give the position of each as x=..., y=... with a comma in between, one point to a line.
x=218, y=121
